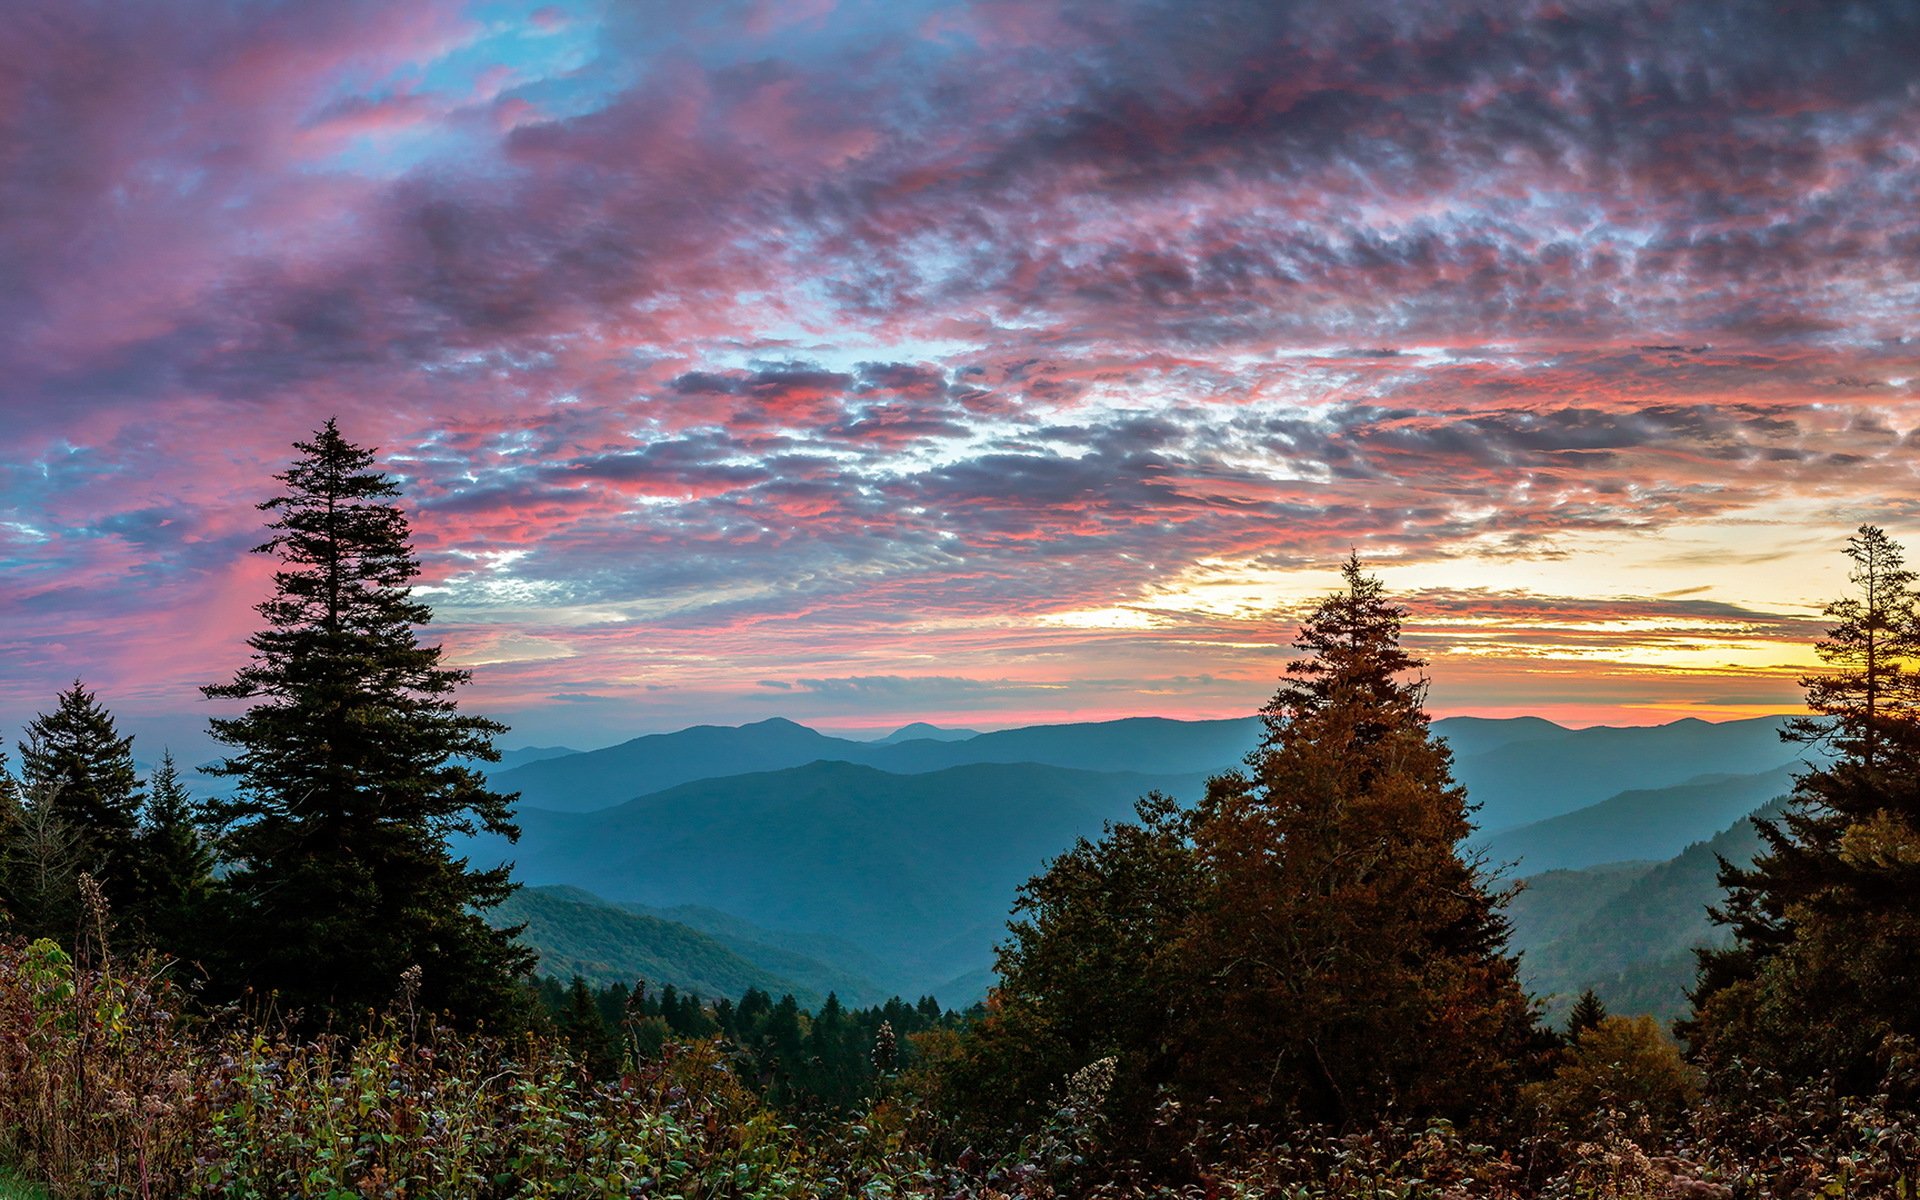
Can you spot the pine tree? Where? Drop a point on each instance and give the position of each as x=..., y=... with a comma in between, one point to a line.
x=10, y=801
x=352, y=769
x=1305, y=944
x=76, y=761
x=1825, y=960
x=591, y=1041
x=41, y=859
x=1355, y=962
x=176, y=863
x=1587, y=1014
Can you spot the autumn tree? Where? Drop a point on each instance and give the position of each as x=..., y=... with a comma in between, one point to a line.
x=353, y=770
x=1307, y=943
x=1825, y=960
x=1352, y=961
x=80, y=768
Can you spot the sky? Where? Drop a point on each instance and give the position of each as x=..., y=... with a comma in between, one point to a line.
x=866, y=361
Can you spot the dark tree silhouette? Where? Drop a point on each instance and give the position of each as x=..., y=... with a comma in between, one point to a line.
x=1354, y=960
x=76, y=762
x=352, y=769
x=1825, y=961
x=176, y=862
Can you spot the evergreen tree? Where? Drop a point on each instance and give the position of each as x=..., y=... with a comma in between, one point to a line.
x=352, y=769
x=75, y=760
x=176, y=863
x=1825, y=960
x=9, y=797
x=1306, y=944
x=591, y=1041
x=41, y=859
x=1352, y=961
x=1587, y=1014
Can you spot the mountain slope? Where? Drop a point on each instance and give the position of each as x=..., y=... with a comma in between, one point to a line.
x=920, y=729
x=917, y=870
x=1654, y=823
x=602, y=778
x=1634, y=945
x=579, y=934
x=1538, y=778
x=1518, y=770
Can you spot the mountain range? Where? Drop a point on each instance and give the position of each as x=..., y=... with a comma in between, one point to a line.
x=882, y=867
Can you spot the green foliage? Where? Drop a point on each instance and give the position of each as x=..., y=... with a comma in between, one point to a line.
x=1821, y=976
x=351, y=762
x=1587, y=1014
x=1616, y=1065
x=1096, y=968
x=79, y=767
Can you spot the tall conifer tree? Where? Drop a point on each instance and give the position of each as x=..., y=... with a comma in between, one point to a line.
x=1821, y=976
x=351, y=766
x=176, y=863
x=1355, y=960
x=1306, y=943
x=78, y=764
x=9, y=796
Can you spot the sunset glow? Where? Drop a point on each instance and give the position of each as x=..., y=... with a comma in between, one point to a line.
x=978, y=363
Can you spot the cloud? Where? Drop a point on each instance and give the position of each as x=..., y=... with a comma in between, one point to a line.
x=841, y=336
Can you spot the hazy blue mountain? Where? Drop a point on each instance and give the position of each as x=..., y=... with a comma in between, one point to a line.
x=1628, y=933
x=1519, y=770
x=919, y=730
x=1552, y=904
x=521, y=756
x=602, y=778
x=577, y=933
x=917, y=870
x=1150, y=745
x=1469, y=736
x=1535, y=778
x=1650, y=823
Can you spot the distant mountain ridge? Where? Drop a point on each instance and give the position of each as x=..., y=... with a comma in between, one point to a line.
x=919, y=730
x=1646, y=823
x=1517, y=770
x=1627, y=930
x=899, y=871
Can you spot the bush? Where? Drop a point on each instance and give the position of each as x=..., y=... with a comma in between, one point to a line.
x=1624, y=1065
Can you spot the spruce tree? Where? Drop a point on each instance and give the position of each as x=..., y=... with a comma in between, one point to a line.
x=1354, y=961
x=1587, y=1014
x=351, y=765
x=41, y=859
x=1307, y=943
x=1825, y=960
x=75, y=761
x=10, y=802
x=176, y=863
